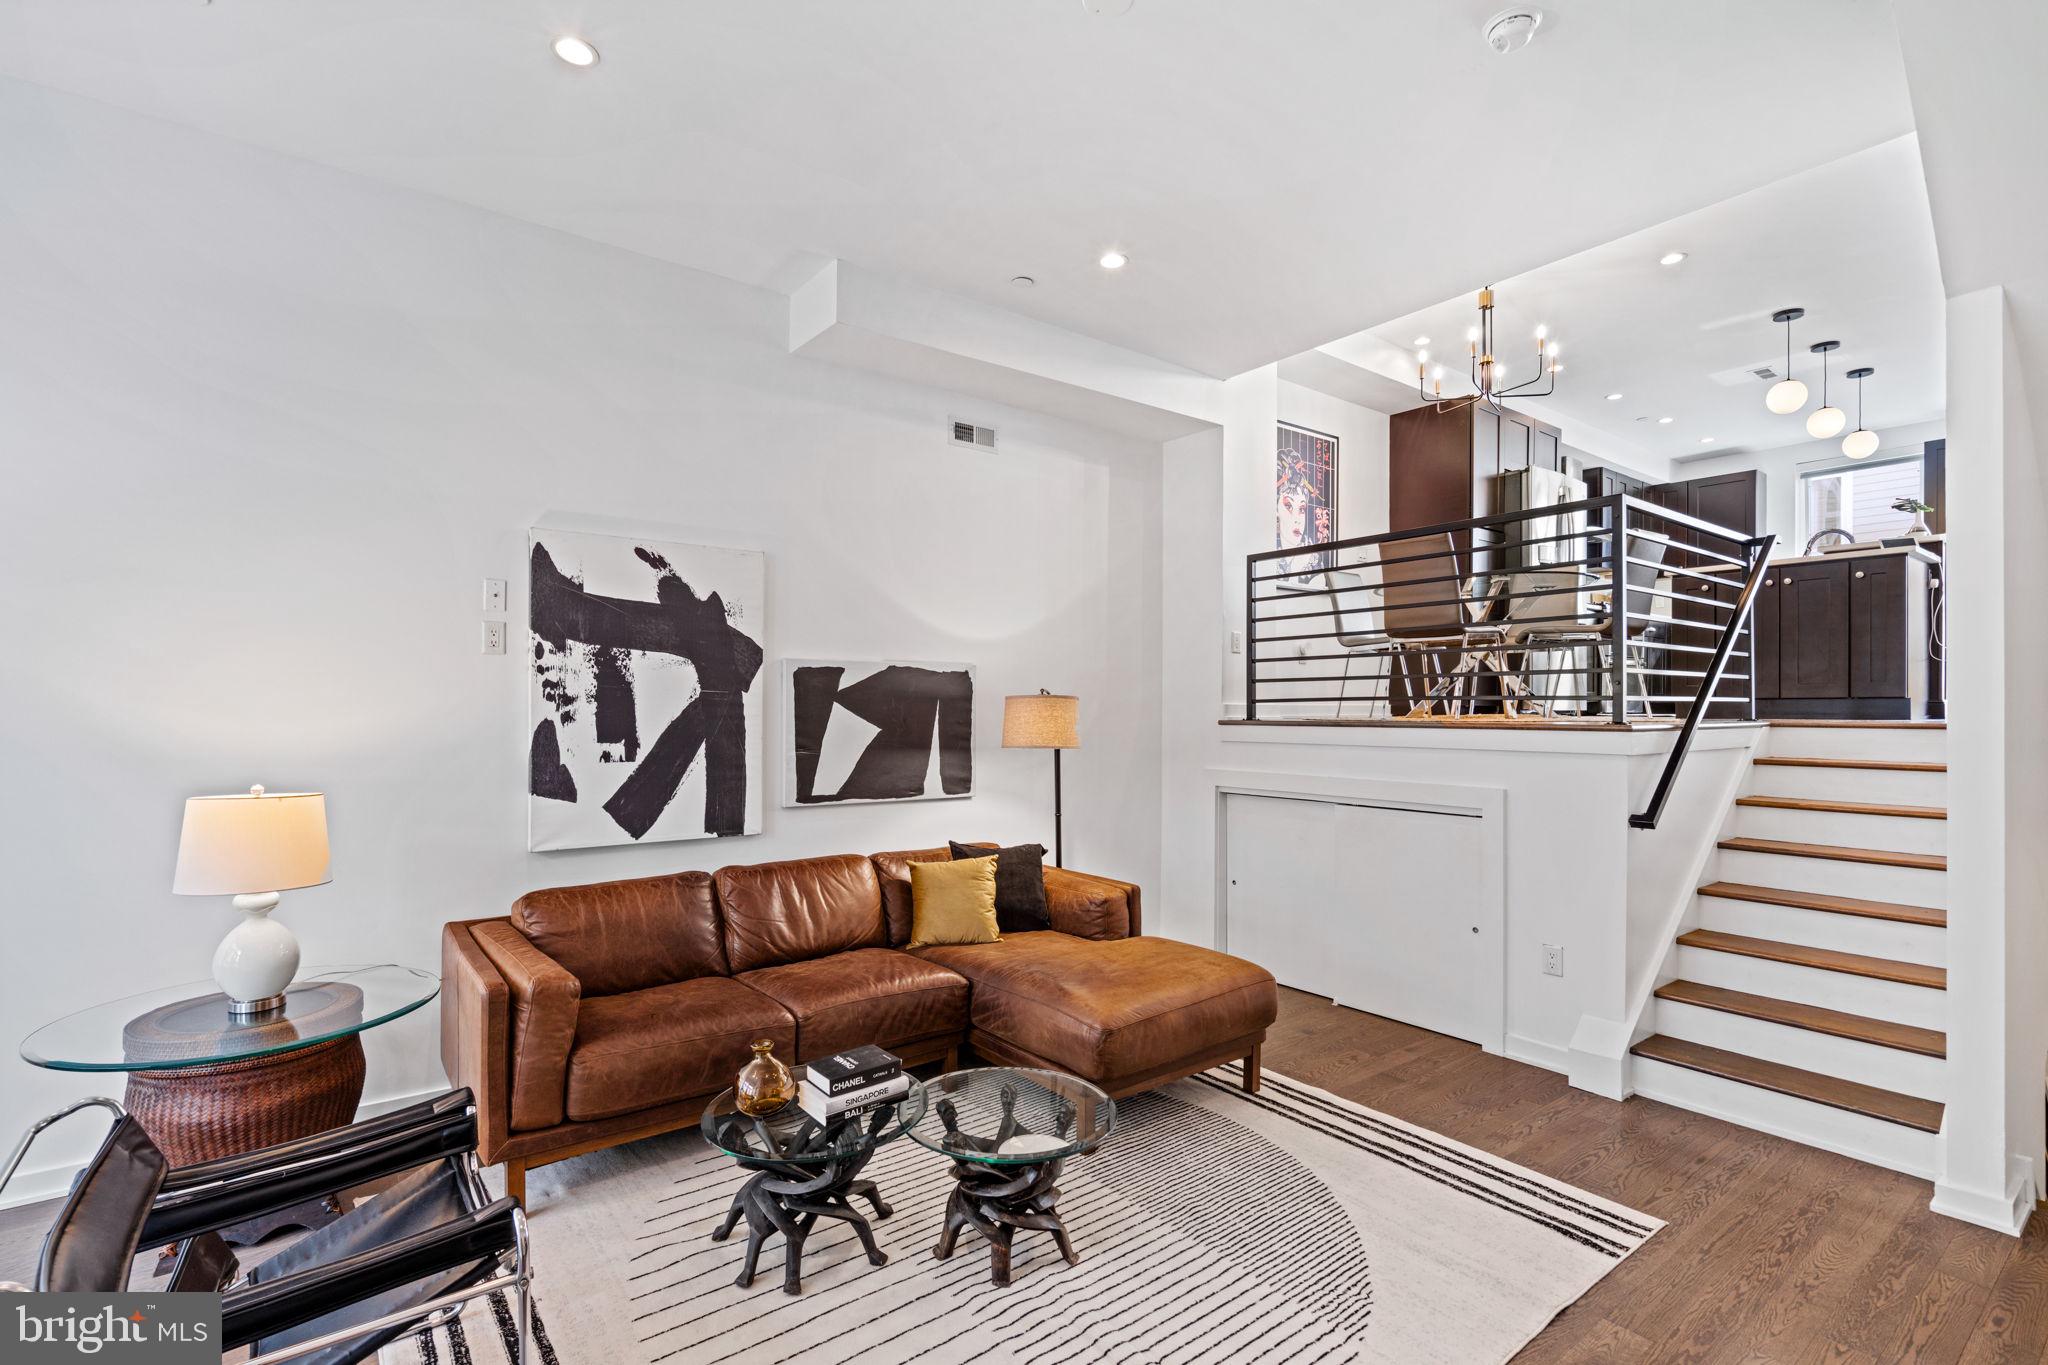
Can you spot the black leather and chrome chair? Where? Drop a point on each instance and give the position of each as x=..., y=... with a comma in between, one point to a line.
x=407, y=1257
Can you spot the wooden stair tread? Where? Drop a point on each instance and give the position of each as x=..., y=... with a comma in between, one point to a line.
x=1834, y=905
x=1825, y=959
x=1859, y=724
x=1868, y=764
x=1879, y=1032
x=1908, y=1110
x=1843, y=807
x=1927, y=862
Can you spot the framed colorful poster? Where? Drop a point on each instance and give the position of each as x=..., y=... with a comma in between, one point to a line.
x=1304, y=496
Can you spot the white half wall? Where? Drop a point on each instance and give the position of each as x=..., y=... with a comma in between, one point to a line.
x=1990, y=1170
x=269, y=426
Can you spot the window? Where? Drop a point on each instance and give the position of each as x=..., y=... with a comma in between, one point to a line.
x=1858, y=499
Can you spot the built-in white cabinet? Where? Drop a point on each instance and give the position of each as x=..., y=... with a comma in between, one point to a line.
x=1379, y=907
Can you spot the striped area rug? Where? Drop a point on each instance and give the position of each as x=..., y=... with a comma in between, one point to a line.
x=1214, y=1226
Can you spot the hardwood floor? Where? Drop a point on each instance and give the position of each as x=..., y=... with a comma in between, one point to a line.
x=1773, y=1252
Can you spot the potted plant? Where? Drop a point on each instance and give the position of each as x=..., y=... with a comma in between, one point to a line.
x=1919, y=510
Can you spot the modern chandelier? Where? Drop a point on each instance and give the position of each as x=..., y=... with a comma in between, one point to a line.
x=1488, y=371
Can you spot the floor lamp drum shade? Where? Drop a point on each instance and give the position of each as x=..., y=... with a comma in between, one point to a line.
x=1041, y=720
x=251, y=847
x=1045, y=720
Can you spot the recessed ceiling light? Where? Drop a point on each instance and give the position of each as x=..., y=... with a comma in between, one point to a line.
x=1671, y=258
x=1113, y=260
x=1022, y=281
x=1663, y=421
x=1706, y=440
x=575, y=51
x=1614, y=398
x=1421, y=341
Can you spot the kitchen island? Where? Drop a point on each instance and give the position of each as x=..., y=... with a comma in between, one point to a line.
x=1844, y=635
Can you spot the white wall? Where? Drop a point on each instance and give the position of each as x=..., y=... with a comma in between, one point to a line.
x=1998, y=799
x=1783, y=466
x=268, y=426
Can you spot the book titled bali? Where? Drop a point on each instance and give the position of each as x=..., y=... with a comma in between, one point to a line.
x=855, y=1069
x=824, y=1107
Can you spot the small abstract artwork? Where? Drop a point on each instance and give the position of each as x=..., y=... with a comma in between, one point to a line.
x=877, y=731
x=646, y=692
x=1304, y=496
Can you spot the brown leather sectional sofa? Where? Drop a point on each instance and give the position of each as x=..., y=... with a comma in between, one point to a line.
x=595, y=1015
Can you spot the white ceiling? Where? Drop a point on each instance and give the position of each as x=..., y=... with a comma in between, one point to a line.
x=1851, y=242
x=1281, y=173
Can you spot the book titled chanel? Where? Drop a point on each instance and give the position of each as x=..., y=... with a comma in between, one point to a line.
x=855, y=1069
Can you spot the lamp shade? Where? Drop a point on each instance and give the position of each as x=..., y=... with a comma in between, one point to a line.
x=252, y=844
x=1041, y=720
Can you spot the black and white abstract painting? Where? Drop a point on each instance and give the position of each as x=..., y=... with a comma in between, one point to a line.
x=877, y=731
x=646, y=697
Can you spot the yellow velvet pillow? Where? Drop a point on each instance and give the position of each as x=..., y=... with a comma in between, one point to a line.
x=953, y=902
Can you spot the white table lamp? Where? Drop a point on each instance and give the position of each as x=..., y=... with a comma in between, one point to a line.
x=252, y=847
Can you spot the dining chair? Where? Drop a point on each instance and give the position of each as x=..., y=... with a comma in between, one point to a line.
x=1359, y=620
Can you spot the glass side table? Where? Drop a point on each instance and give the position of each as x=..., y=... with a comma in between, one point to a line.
x=803, y=1171
x=205, y=1085
x=1009, y=1130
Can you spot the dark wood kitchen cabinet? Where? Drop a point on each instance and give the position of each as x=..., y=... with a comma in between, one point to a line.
x=1443, y=466
x=1446, y=466
x=1813, y=631
x=1844, y=638
x=1734, y=501
x=1878, y=627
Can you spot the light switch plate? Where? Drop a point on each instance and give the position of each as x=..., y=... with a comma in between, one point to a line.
x=494, y=637
x=494, y=595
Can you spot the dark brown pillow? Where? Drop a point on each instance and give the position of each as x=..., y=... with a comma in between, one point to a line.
x=1020, y=885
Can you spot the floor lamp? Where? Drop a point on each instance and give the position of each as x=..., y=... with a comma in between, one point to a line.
x=1044, y=720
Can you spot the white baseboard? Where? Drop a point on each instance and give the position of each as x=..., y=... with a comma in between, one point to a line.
x=35, y=1184
x=2007, y=1214
x=1545, y=1055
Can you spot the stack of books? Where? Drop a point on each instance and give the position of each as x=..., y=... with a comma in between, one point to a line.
x=851, y=1082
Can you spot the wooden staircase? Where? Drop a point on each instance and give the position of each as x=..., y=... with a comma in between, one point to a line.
x=1808, y=989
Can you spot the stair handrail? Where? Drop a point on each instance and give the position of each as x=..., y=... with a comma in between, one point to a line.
x=1759, y=551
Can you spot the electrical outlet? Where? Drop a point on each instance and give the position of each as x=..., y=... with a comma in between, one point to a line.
x=494, y=637
x=494, y=596
x=1553, y=960
x=1237, y=642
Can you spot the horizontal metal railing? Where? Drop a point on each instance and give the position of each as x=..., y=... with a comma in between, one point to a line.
x=1601, y=610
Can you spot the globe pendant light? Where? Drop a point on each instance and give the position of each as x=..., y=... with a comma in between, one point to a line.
x=1788, y=395
x=1827, y=420
x=1861, y=443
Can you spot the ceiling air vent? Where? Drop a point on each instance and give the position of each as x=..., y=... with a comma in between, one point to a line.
x=974, y=437
x=1764, y=372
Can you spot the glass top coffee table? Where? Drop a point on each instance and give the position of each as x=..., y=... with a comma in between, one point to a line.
x=1009, y=1130
x=804, y=1170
